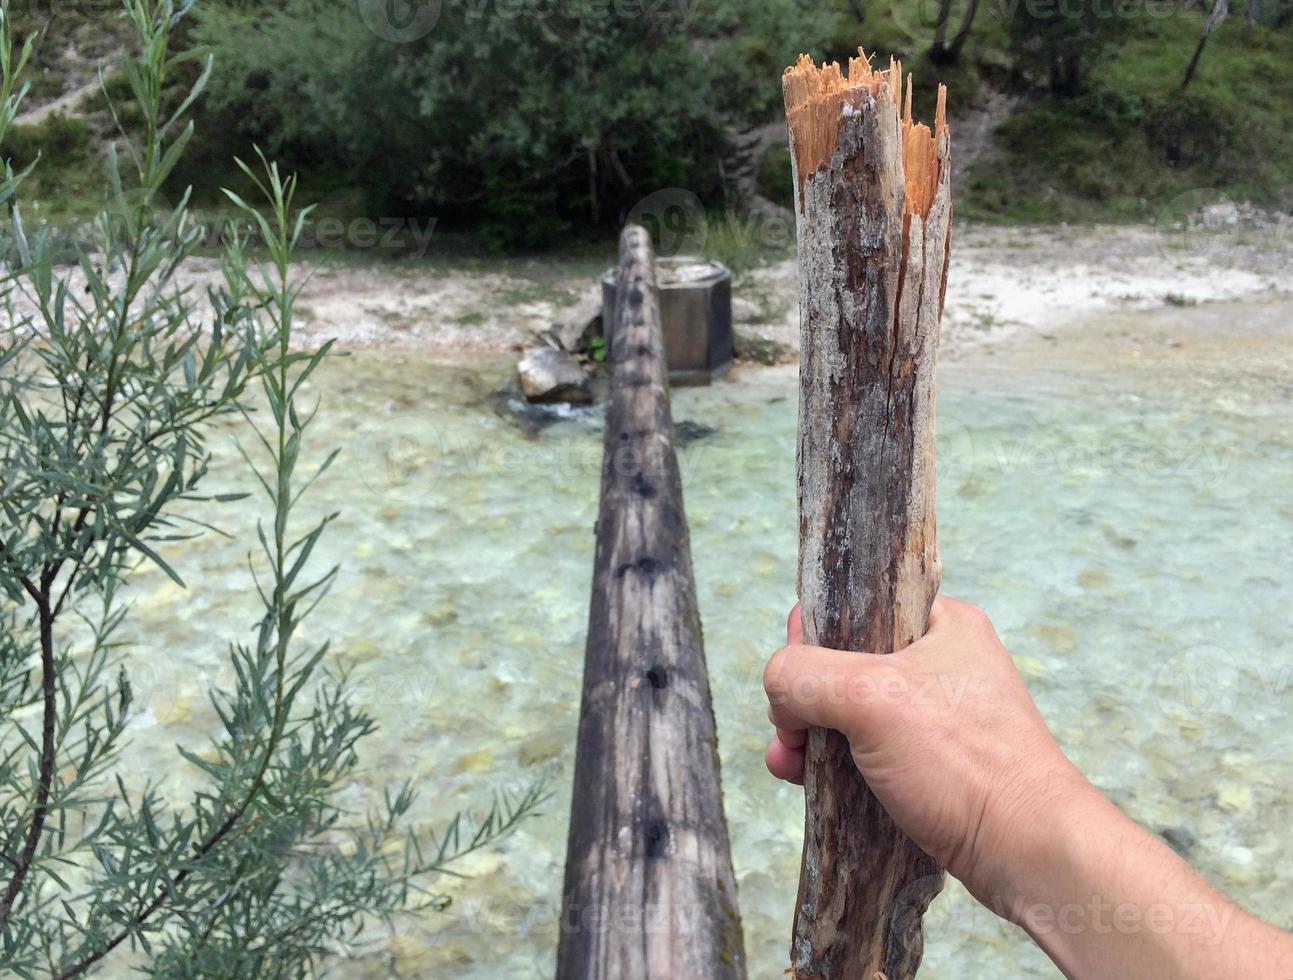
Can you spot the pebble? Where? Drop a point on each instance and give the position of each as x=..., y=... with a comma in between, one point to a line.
x=1060, y=637
x=1093, y=578
x=1235, y=797
x=482, y=760
x=1030, y=666
x=1179, y=839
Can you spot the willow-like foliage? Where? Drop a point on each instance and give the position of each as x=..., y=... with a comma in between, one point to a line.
x=108, y=392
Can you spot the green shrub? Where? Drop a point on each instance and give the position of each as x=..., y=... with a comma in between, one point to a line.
x=527, y=129
x=110, y=390
x=776, y=176
x=57, y=140
x=1197, y=132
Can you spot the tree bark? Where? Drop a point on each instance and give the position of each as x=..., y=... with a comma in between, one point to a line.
x=649, y=890
x=941, y=52
x=963, y=35
x=939, y=47
x=874, y=217
x=1219, y=11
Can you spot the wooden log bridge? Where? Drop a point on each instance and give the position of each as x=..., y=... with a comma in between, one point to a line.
x=649, y=891
x=873, y=204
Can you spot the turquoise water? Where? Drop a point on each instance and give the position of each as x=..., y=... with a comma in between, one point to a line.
x=1128, y=531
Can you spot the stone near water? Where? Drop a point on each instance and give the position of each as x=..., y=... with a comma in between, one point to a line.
x=574, y=332
x=686, y=432
x=745, y=311
x=550, y=375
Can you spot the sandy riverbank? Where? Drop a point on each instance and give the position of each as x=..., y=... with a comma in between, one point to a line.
x=1003, y=283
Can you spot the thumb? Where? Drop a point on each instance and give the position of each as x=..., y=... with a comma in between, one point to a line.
x=812, y=687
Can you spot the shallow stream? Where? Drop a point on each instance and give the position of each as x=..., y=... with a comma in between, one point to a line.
x=1125, y=517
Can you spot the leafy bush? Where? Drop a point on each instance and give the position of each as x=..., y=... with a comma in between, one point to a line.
x=526, y=122
x=109, y=389
x=1195, y=132
x=58, y=139
x=776, y=176
x=525, y=126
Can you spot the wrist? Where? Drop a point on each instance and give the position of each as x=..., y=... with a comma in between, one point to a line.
x=1032, y=838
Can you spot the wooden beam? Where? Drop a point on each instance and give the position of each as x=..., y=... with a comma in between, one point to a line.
x=873, y=200
x=649, y=890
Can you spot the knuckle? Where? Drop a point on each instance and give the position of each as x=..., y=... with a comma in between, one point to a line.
x=973, y=616
x=774, y=676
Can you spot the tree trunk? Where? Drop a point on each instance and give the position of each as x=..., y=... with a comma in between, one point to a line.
x=649, y=890
x=938, y=48
x=1073, y=73
x=1218, y=14
x=874, y=210
x=963, y=35
x=592, y=186
x=942, y=52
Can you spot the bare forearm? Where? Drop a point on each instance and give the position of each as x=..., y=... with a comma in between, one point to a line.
x=1107, y=900
x=971, y=772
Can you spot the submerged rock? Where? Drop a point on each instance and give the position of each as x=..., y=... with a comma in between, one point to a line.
x=686, y=432
x=1179, y=839
x=550, y=375
x=509, y=403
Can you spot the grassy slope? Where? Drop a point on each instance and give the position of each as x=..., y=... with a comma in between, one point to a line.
x=1134, y=142
x=72, y=39
x=1129, y=147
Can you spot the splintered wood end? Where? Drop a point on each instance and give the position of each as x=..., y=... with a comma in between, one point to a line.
x=818, y=100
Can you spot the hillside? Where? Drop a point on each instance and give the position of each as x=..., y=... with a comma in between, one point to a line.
x=1082, y=121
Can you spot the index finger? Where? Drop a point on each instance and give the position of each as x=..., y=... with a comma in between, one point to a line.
x=795, y=627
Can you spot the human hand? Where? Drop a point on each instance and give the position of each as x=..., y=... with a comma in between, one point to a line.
x=945, y=734
x=950, y=742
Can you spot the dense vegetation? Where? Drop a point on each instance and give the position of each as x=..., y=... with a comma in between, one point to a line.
x=112, y=381
x=531, y=122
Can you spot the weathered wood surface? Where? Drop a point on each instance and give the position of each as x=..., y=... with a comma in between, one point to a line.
x=649, y=891
x=874, y=239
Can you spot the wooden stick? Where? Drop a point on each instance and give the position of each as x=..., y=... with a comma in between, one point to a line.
x=873, y=200
x=649, y=890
